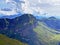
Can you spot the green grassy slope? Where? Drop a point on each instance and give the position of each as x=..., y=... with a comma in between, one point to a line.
x=8, y=41
x=47, y=36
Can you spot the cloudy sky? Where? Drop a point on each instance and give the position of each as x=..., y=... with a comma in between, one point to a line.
x=48, y=7
x=39, y=7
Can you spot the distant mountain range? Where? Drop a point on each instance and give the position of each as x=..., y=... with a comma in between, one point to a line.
x=52, y=22
x=11, y=16
x=28, y=29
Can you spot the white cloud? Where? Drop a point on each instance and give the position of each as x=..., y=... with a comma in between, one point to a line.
x=7, y=1
x=31, y=8
x=26, y=7
x=52, y=7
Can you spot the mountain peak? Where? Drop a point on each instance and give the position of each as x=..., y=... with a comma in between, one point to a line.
x=19, y=28
x=52, y=17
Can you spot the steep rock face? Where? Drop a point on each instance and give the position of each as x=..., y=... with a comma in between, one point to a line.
x=20, y=28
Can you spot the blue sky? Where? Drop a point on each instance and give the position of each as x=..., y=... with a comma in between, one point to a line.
x=3, y=4
x=10, y=4
x=7, y=4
